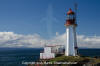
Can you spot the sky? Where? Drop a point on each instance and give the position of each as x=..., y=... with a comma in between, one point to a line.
x=44, y=18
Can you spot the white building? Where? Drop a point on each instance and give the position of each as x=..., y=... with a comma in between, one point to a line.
x=47, y=54
x=71, y=44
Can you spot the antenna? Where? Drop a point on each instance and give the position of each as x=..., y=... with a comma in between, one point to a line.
x=75, y=6
x=45, y=44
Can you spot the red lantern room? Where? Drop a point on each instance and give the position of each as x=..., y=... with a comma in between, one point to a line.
x=70, y=18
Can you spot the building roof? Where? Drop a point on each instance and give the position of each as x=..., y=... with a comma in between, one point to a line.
x=70, y=12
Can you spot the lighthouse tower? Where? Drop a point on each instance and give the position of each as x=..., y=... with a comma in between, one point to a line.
x=71, y=44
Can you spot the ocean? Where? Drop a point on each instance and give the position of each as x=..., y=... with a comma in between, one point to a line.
x=15, y=56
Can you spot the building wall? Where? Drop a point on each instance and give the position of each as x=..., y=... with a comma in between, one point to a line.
x=70, y=48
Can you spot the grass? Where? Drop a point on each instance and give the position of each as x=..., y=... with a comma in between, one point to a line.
x=80, y=60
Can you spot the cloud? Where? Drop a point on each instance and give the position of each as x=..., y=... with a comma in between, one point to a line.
x=11, y=39
x=89, y=41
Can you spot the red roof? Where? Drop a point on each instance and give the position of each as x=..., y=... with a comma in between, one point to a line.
x=70, y=12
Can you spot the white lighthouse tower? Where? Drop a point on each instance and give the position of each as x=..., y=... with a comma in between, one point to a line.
x=71, y=44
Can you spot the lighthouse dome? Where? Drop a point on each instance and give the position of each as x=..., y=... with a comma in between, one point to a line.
x=70, y=12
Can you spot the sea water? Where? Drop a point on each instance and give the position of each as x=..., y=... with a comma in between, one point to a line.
x=15, y=56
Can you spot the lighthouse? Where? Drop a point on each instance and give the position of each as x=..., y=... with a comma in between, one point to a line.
x=71, y=43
